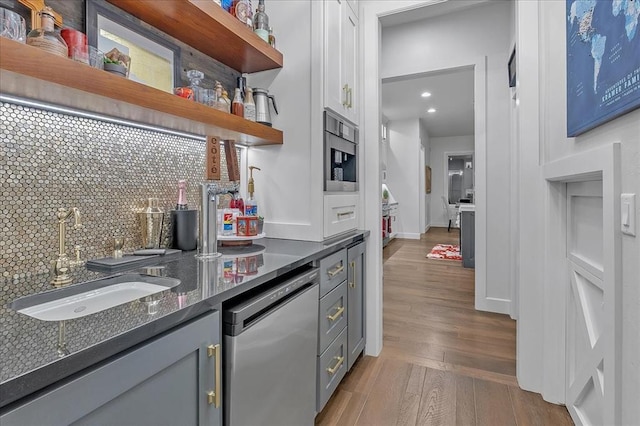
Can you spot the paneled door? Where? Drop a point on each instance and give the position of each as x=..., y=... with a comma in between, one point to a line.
x=586, y=308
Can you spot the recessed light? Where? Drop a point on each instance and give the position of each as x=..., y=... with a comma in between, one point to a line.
x=431, y=110
x=426, y=94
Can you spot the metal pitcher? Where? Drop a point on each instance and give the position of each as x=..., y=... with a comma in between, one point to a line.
x=261, y=98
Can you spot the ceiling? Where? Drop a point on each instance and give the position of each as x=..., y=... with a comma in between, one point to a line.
x=430, y=10
x=451, y=95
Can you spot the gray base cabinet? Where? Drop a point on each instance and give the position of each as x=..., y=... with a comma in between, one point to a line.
x=173, y=380
x=355, y=302
x=468, y=239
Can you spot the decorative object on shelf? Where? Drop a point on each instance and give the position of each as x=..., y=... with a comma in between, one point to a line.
x=73, y=38
x=12, y=25
x=195, y=77
x=261, y=22
x=249, y=105
x=117, y=62
x=184, y=92
x=385, y=196
x=226, y=102
x=45, y=37
x=263, y=113
x=88, y=55
x=247, y=226
x=237, y=107
x=36, y=6
x=151, y=219
x=241, y=9
x=602, y=63
x=155, y=61
x=272, y=38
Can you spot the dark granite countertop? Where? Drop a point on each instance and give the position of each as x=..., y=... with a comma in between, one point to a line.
x=38, y=353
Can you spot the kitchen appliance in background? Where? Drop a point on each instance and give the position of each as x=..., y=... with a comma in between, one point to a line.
x=340, y=154
x=270, y=343
x=263, y=113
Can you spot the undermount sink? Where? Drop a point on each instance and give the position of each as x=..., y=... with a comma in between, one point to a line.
x=91, y=297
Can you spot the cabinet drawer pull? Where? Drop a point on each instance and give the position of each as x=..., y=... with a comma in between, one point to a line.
x=336, y=315
x=345, y=90
x=350, y=93
x=333, y=370
x=344, y=214
x=213, y=397
x=352, y=265
x=336, y=271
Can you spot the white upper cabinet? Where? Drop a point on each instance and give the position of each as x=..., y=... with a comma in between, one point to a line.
x=340, y=59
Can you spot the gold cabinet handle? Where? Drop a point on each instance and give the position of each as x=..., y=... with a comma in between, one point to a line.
x=333, y=370
x=345, y=90
x=213, y=397
x=336, y=315
x=350, y=93
x=352, y=265
x=349, y=213
x=336, y=271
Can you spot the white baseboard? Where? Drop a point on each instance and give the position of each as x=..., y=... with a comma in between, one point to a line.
x=408, y=235
x=426, y=229
x=492, y=304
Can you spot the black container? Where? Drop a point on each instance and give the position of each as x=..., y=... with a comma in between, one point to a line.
x=184, y=229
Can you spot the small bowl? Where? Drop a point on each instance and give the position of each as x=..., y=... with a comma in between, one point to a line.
x=116, y=69
x=12, y=26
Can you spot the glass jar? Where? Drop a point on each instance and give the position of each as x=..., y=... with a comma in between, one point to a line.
x=195, y=77
x=46, y=37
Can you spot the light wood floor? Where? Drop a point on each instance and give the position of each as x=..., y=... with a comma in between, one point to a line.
x=443, y=362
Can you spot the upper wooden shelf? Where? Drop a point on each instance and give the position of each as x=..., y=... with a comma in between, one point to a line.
x=30, y=72
x=207, y=27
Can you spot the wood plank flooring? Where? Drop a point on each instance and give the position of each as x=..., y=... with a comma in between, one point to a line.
x=443, y=362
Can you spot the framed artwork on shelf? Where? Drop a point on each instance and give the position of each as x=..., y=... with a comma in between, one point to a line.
x=603, y=62
x=427, y=177
x=154, y=60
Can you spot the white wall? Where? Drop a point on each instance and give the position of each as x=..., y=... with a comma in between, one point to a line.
x=403, y=175
x=452, y=41
x=440, y=146
x=548, y=19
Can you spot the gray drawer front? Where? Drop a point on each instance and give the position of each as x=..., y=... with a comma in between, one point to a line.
x=335, y=359
x=333, y=270
x=333, y=316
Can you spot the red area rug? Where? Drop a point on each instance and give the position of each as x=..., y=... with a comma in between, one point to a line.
x=445, y=252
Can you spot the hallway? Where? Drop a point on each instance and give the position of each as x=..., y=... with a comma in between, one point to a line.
x=443, y=362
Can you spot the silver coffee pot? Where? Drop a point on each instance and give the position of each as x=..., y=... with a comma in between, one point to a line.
x=263, y=113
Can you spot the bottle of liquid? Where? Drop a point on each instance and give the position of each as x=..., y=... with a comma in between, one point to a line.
x=46, y=37
x=182, y=195
x=272, y=38
x=237, y=107
x=226, y=100
x=220, y=102
x=250, y=206
x=261, y=22
x=249, y=106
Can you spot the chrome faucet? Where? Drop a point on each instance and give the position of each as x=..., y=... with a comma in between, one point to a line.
x=208, y=229
x=62, y=264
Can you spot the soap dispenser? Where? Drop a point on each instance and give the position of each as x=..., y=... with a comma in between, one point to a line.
x=250, y=206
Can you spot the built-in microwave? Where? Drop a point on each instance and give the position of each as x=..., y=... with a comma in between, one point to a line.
x=340, y=154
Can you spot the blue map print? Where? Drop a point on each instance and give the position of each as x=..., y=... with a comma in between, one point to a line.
x=603, y=61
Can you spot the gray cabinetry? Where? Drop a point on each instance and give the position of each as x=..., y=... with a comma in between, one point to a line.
x=468, y=239
x=174, y=379
x=355, y=302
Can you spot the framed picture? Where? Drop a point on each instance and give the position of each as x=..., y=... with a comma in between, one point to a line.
x=512, y=69
x=427, y=177
x=603, y=63
x=154, y=60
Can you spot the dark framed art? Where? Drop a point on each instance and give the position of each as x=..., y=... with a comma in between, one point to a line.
x=603, y=62
x=155, y=61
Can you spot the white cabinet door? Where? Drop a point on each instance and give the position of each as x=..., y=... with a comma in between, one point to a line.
x=334, y=90
x=354, y=5
x=349, y=62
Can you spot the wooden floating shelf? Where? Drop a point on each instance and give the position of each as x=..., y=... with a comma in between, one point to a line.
x=207, y=27
x=29, y=72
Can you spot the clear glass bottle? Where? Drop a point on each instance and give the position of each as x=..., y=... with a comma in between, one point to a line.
x=261, y=22
x=195, y=77
x=272, y=38
x=237, y=107
x=227, y=101
x=219, y=102
x=249, y=105
x=46, y=37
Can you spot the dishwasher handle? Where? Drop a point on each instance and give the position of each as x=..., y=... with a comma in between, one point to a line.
x=240, y=317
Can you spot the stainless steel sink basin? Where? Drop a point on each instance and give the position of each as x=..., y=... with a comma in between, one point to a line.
x=90, y=297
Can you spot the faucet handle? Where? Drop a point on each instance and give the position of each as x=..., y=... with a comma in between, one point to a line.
x=77, y=261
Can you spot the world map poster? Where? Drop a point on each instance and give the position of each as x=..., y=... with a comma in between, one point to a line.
x=603, y=61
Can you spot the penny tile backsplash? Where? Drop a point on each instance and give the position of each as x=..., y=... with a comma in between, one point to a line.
x=50, y=160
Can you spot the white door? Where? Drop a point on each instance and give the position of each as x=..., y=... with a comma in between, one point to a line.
x=586, y=310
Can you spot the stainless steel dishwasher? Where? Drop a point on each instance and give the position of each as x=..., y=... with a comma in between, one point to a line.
x=270, y=344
